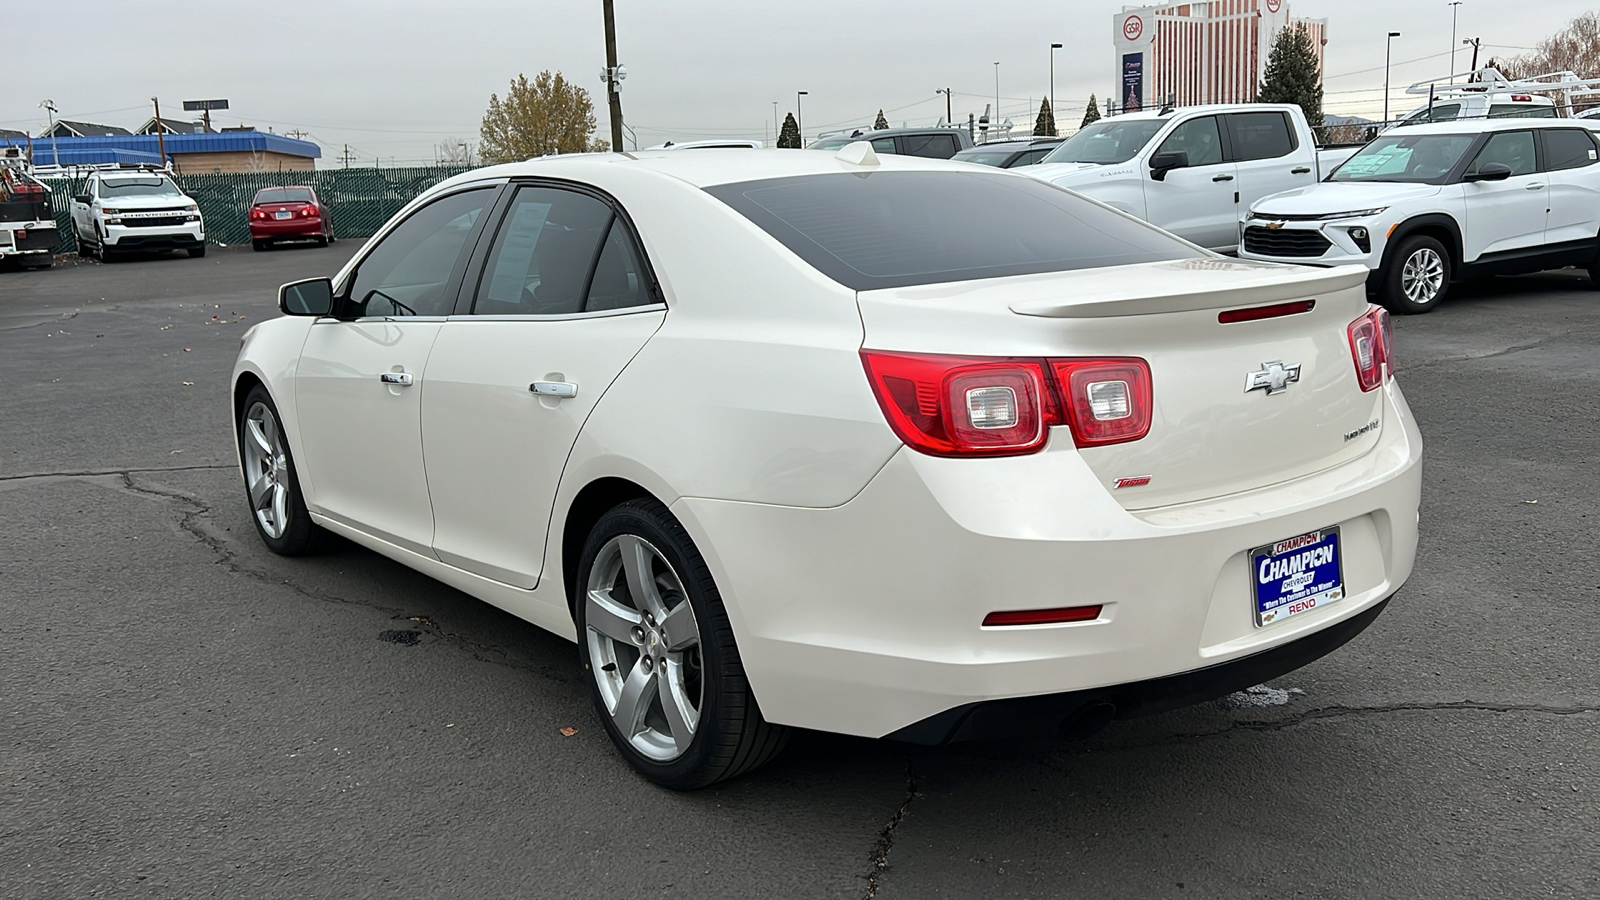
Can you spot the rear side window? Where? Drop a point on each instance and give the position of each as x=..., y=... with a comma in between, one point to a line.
x=932, y=146
x=1568, y=148
x=1262, y=135
x=544, y=254
x=894, y=229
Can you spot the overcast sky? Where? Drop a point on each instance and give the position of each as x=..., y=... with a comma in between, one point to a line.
x=393, y=77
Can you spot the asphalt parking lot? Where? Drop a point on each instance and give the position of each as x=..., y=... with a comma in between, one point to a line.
x=187, y=715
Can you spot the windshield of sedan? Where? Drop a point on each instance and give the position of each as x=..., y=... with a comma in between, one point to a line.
x=283, y=195
x=1106, y=142
x=1413, y=158
x=140, y=187
x=894, y=229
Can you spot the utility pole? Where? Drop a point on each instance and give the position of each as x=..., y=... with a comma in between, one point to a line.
x=614, y=76
x=946, y=93
x=1053, y=49
x=345, y=156
x=161, y=132
x=797, y=120
x=1476, y=43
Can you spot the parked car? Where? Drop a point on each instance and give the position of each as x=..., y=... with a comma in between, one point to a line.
x=129, y=210
x=708, y=145
x=1009, y=154
x=1195, y=170
x=777, y=447
x=289, y=213
x=1426, y=205
x=933, y=143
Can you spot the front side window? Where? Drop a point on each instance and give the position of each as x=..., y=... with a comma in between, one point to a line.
x=407, y=272
x=1401, y=157
x=560, y=252
x=1509, y=148
x=1262, y=135
x=894, y=229
x=1198, y=138
x=1568, y=148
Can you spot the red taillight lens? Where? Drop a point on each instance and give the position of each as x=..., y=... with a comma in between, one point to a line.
x=258, y=214
x=309, y=211
x=1369, y=348
x=1108, y=401
x=962, y=405
x=1004, y=406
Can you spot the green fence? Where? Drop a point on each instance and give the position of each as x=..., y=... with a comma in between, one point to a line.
x=361, y=199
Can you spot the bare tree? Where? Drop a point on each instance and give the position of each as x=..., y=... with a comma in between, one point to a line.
x=453, y=151
x=1575, y=48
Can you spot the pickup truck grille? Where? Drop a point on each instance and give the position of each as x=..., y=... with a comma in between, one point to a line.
x=162, y=222
x=1286, y=242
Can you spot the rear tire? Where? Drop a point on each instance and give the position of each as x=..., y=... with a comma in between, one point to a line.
x=258, y=246
x=1417, y=276
x=665, y=665
x=272, y=488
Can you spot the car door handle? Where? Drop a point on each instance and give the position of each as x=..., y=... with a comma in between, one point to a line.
x=559, y=389
x=1222, y=178
x=1535, y=187
x=403, y=379
x=1299, y=170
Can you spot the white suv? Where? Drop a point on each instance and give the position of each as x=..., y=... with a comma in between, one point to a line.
x=120, y=211
x=1425, y=205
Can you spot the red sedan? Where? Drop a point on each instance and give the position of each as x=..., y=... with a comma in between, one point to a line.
x=289, y=213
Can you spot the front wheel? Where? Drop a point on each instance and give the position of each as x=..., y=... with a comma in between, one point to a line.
x=277, y=507
x=664, y=672
x=197, y=252
x=1417, y=277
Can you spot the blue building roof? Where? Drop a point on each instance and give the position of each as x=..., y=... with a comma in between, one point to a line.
x=148, y=145
x=87, y=156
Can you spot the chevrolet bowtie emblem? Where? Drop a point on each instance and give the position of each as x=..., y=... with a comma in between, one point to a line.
x=1273, y=377
x=1274, y=225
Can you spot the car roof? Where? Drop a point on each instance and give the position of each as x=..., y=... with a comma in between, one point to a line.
x=1020, y=144
x=1478, y=126
x=891, y=132
x=1199, y=108
x=711, y=166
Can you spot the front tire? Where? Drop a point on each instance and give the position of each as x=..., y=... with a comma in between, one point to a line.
x=277, y=507
x=1417, y=277
x=664, y=671
x=196, y=252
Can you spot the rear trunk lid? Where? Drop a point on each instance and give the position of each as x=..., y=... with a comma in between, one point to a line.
x=1210, y=434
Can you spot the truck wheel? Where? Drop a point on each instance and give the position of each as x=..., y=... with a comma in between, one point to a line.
x=197, y=252
x=1417, y=276
x=83, y=247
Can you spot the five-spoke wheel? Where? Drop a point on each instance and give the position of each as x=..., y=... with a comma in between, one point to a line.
x=276, y=506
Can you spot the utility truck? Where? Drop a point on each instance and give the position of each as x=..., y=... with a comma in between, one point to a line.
x=28, y=234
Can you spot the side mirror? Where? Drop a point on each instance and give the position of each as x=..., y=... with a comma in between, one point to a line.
x=312, y=297
x=1489, y=172
x=1164, y=162
x=81, y=198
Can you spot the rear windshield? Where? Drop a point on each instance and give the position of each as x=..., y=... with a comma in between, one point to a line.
x=893, y=229
x=985, y=157
x=1521, y=111
x=283, y=195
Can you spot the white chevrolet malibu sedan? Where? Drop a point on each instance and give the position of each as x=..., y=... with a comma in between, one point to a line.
x=889, y=447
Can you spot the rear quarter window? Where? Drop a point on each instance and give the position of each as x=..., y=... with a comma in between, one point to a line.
x=896, y=229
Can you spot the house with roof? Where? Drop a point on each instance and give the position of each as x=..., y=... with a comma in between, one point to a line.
x=64, y=128
x=171, y=126
x=9, y=138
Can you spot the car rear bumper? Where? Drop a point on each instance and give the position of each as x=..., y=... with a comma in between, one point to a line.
x=866, y=618
x=288, y=228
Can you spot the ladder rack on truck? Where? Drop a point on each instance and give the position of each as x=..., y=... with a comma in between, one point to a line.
x=1562, y=86
x=28, y=233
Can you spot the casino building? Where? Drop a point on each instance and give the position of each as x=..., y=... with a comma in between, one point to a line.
x=1208, y=52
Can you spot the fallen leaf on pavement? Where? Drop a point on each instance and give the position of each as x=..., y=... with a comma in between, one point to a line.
x=568, y=731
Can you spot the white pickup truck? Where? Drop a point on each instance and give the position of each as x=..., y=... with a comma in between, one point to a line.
x=1195, y=170
x=118, y=211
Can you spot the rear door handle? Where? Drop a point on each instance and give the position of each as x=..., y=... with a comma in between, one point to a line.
x=559, y=389
x=403, y=379
x=1299, y=170
x=1222, y=178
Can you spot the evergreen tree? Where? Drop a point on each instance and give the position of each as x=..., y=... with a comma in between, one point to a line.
x=1092, y=114
x=789, y=135
x=1045, y=125
x=1293, y=75
x=880, y=122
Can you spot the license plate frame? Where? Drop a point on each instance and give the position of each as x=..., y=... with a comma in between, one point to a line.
x=1305, y=578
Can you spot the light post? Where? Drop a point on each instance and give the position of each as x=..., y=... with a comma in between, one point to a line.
x=798, y=119
x=1453, y=10
x=1053, y=49
x=50, y=107
x=1386, y=45
x=775, y=129
x=946, y=93
x=995, y=122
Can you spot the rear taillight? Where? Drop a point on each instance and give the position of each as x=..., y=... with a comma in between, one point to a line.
x=258, y=214
x=1004, y=406
x=309, y=211
x=1370, y=348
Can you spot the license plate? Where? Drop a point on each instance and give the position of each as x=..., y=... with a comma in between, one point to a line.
x=1297, y=575
x=283, y=214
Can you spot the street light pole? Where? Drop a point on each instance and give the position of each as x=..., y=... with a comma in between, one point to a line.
x=1453, y=10
x=1053, y=49
x=995, y=123
x=798, y=119
x=775, y=129
x=947, y=114
x=50, y=107
x=1386, y=45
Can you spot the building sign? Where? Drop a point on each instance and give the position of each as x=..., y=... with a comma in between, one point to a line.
x=1274, y=5
x=1132, y=82
x=1133, y=27
x=204, y=105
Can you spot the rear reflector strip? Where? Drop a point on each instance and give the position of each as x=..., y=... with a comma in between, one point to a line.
x=1266, y=312
x=1043, y=616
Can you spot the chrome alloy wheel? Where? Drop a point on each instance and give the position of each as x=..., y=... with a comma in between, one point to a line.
x=644, y=647
x=1422, y=278
x=266, y=470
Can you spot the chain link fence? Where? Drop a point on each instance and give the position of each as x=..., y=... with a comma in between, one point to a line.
x=361, y=199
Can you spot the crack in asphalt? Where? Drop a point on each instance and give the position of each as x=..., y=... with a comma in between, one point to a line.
x=98, y=473
x=885, y=843
x=1518, y=348
x=195, y=510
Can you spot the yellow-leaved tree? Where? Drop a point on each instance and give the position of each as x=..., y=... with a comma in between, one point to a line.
x=546, y=115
